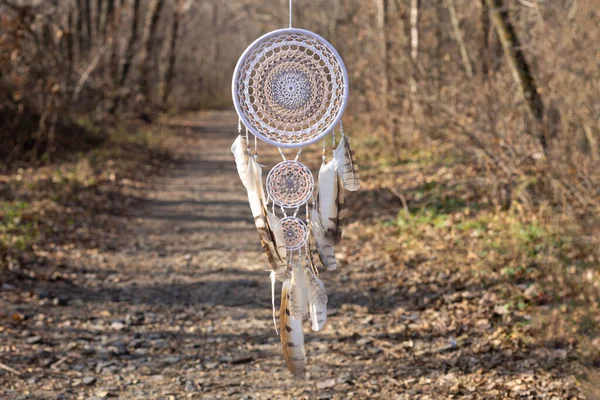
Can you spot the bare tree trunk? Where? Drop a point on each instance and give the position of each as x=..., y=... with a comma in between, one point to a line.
x=108, y=18
x=88, y=24
x=414, y=29
x=130, y=52
x=334, y=20
x=591, y=141
x=485, y=41
x=147, y=60
x=519, y=67
x=70, y=45
x=115, y=26
x=383, y=23
x=459, y=38
x=172, y=57
x=79, y=30
x=414, y=41
x=417, y=111
x=99, y=9
x=216, y=72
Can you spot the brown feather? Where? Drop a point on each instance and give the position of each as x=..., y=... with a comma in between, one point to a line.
x=324, y=245
x=335, y=233
x=291, y=336
x=347, y=166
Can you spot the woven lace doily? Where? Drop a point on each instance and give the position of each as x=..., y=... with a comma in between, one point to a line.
x=295, y=232
x=290, y=184
x=290, y=87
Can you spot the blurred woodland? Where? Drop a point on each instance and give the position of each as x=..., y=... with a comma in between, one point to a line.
x=517, y=87
x=505, y=89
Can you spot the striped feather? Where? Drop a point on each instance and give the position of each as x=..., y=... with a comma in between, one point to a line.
x=330, y=200
x=346, y=165
x=238, y=148
x=317, y=301
x=324, y=245
x=291, y=336
x=268, y=227
x=298, y=293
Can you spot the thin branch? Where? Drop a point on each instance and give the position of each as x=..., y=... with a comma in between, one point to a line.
x=86, y=74
x=9, y=369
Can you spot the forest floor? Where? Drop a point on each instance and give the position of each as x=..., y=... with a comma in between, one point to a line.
x=164, y=294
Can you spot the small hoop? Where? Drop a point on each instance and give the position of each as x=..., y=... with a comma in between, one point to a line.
x=290, y=184
x=295, y=232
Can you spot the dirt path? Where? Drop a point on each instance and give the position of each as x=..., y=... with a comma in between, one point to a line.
x=178, y=306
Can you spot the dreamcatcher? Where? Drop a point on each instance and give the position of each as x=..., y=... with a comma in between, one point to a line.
x=290, y=89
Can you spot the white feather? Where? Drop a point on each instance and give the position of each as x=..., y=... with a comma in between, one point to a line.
x=253, y=177
x=238, y=148
x=269, y=238
x=317, y=301
x=291, y=336
x=347, y=168
x=298, y=293
x=327, y=197
x=279, y=236
x=324, y=245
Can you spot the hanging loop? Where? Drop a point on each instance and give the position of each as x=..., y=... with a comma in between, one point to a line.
x=291, y=7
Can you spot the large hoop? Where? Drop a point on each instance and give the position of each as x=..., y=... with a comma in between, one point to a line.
x=290, y=87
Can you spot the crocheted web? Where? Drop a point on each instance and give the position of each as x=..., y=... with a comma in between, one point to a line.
x=295, y=232
x=290, y=87
x=290, y=184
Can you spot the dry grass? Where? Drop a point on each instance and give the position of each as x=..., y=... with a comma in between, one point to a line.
x=538, y=258
x=59, y=202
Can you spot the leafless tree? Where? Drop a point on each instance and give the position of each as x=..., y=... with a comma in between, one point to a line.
x=146, y=63
x=459, y=38
x=133, y=42
x=521, y=71
x=172, y=54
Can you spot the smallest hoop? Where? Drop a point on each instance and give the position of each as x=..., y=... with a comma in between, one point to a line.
x=295, y=232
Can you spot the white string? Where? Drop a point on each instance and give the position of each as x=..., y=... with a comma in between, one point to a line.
x=281, y=154
x=298, y=155
x=272, y=276
x=290, y=13
x=248, y=142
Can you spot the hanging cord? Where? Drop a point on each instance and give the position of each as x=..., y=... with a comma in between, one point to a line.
x=273, y=280
x=298, y=155
x=291, y=7
x=342, y=129
x=248, y=143
x=281, y=154
x=323, y=156
x=255, y=148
